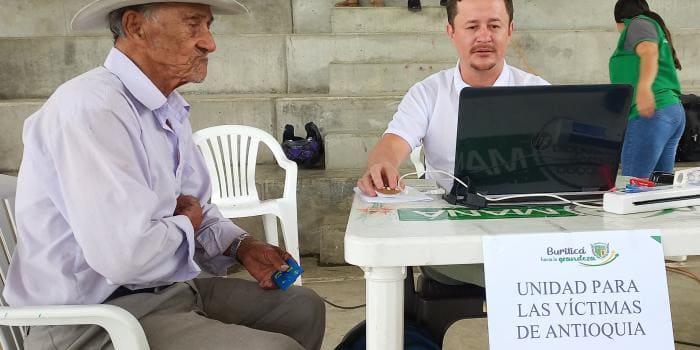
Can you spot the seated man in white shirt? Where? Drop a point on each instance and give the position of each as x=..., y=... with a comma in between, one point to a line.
x=112, y=201
x=480, y=31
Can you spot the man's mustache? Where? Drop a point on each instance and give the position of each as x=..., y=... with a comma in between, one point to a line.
x=482, y=48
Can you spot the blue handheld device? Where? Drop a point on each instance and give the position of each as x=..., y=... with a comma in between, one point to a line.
x=285, y=279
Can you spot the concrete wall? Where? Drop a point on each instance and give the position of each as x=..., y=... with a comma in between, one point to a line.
x=528, y=15
x=209, y=111
x=379, y=78
x=35, y=67
x=39, y=52
x=33, y=18
x=561, y=56
x=314, y=16
x=338, y=114
x=12, y=116
x=276, y=63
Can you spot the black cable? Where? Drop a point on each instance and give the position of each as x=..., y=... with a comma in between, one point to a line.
x=343, y=307
x=686, y=343
x=694, y=277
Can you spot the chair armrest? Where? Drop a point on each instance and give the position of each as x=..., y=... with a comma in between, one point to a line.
x=290, y=179
x=284, y=162
x=123, y=328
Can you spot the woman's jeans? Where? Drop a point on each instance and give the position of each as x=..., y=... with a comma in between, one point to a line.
x=650, y=143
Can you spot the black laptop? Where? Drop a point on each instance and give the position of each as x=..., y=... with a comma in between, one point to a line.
x=541, y=139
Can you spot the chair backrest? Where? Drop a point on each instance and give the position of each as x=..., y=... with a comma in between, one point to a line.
x=417, y=160
x=10, y=337
x=231, y=152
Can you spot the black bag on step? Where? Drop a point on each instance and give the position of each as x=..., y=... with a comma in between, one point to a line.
x=689, y=145
x=306, y=152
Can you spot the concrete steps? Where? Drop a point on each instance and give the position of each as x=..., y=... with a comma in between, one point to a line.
x=38, y=18
x=556, y=55
x=280, y=63
x=361, y=114
x=314, y=16
x=387, y=20
x=206, y=111
x=347, y=151
x=397, y=78
x=12, y=116
x=53, y=60
x=691, y=90
x=351, y=124
x=379, y=78
x=41, y=18
x=528, y=15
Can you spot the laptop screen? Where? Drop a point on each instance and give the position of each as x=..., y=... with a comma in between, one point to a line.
x=541, y=139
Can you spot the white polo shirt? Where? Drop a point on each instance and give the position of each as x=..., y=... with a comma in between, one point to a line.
x=427, y=115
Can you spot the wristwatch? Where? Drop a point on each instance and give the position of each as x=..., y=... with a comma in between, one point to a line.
x=237, y=243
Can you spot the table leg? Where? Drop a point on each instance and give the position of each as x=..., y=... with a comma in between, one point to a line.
x=384, y=307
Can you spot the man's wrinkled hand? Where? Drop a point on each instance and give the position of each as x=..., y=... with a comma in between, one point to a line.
x=379, y=175
x=262, y=260
x=189, y=206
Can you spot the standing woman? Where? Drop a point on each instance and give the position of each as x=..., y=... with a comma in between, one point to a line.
x=645, y=58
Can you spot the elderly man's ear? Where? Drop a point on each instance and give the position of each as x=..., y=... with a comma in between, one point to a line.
x=133, y=24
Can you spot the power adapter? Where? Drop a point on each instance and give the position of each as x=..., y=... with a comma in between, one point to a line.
x=466, y=196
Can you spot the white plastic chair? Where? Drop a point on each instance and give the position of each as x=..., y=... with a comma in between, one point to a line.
x=230, y=152
x=417, y=160
x=123, y=328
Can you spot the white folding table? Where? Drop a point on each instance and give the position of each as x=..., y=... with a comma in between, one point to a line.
x=383, y=239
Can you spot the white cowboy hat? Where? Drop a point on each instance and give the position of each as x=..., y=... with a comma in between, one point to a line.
x=95, y=14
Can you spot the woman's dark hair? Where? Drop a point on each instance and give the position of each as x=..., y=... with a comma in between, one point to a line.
x=627, y=9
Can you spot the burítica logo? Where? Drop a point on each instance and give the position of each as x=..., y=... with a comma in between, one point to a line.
x=600, y=255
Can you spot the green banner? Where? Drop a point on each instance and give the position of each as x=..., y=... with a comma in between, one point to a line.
x=435, y=214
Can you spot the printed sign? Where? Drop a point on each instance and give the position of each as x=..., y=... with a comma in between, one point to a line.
x=453, y=213
x=584, y=290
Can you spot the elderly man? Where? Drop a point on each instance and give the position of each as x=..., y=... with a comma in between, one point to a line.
x=112, y=201
x=480, y=31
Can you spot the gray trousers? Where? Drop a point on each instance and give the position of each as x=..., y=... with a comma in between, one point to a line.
x=208, y=313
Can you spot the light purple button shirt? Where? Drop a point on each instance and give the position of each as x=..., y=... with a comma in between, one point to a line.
x=97, y=188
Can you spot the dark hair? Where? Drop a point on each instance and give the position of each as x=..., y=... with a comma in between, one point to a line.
x=627, y=9
x=451, y=7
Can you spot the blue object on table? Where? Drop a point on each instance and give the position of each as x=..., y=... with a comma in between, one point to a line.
x=629, y=188
x=285, y=279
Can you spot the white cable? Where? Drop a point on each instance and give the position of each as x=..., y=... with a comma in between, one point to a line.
x=542, y=195
x=492, y=199
x=435, y=171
